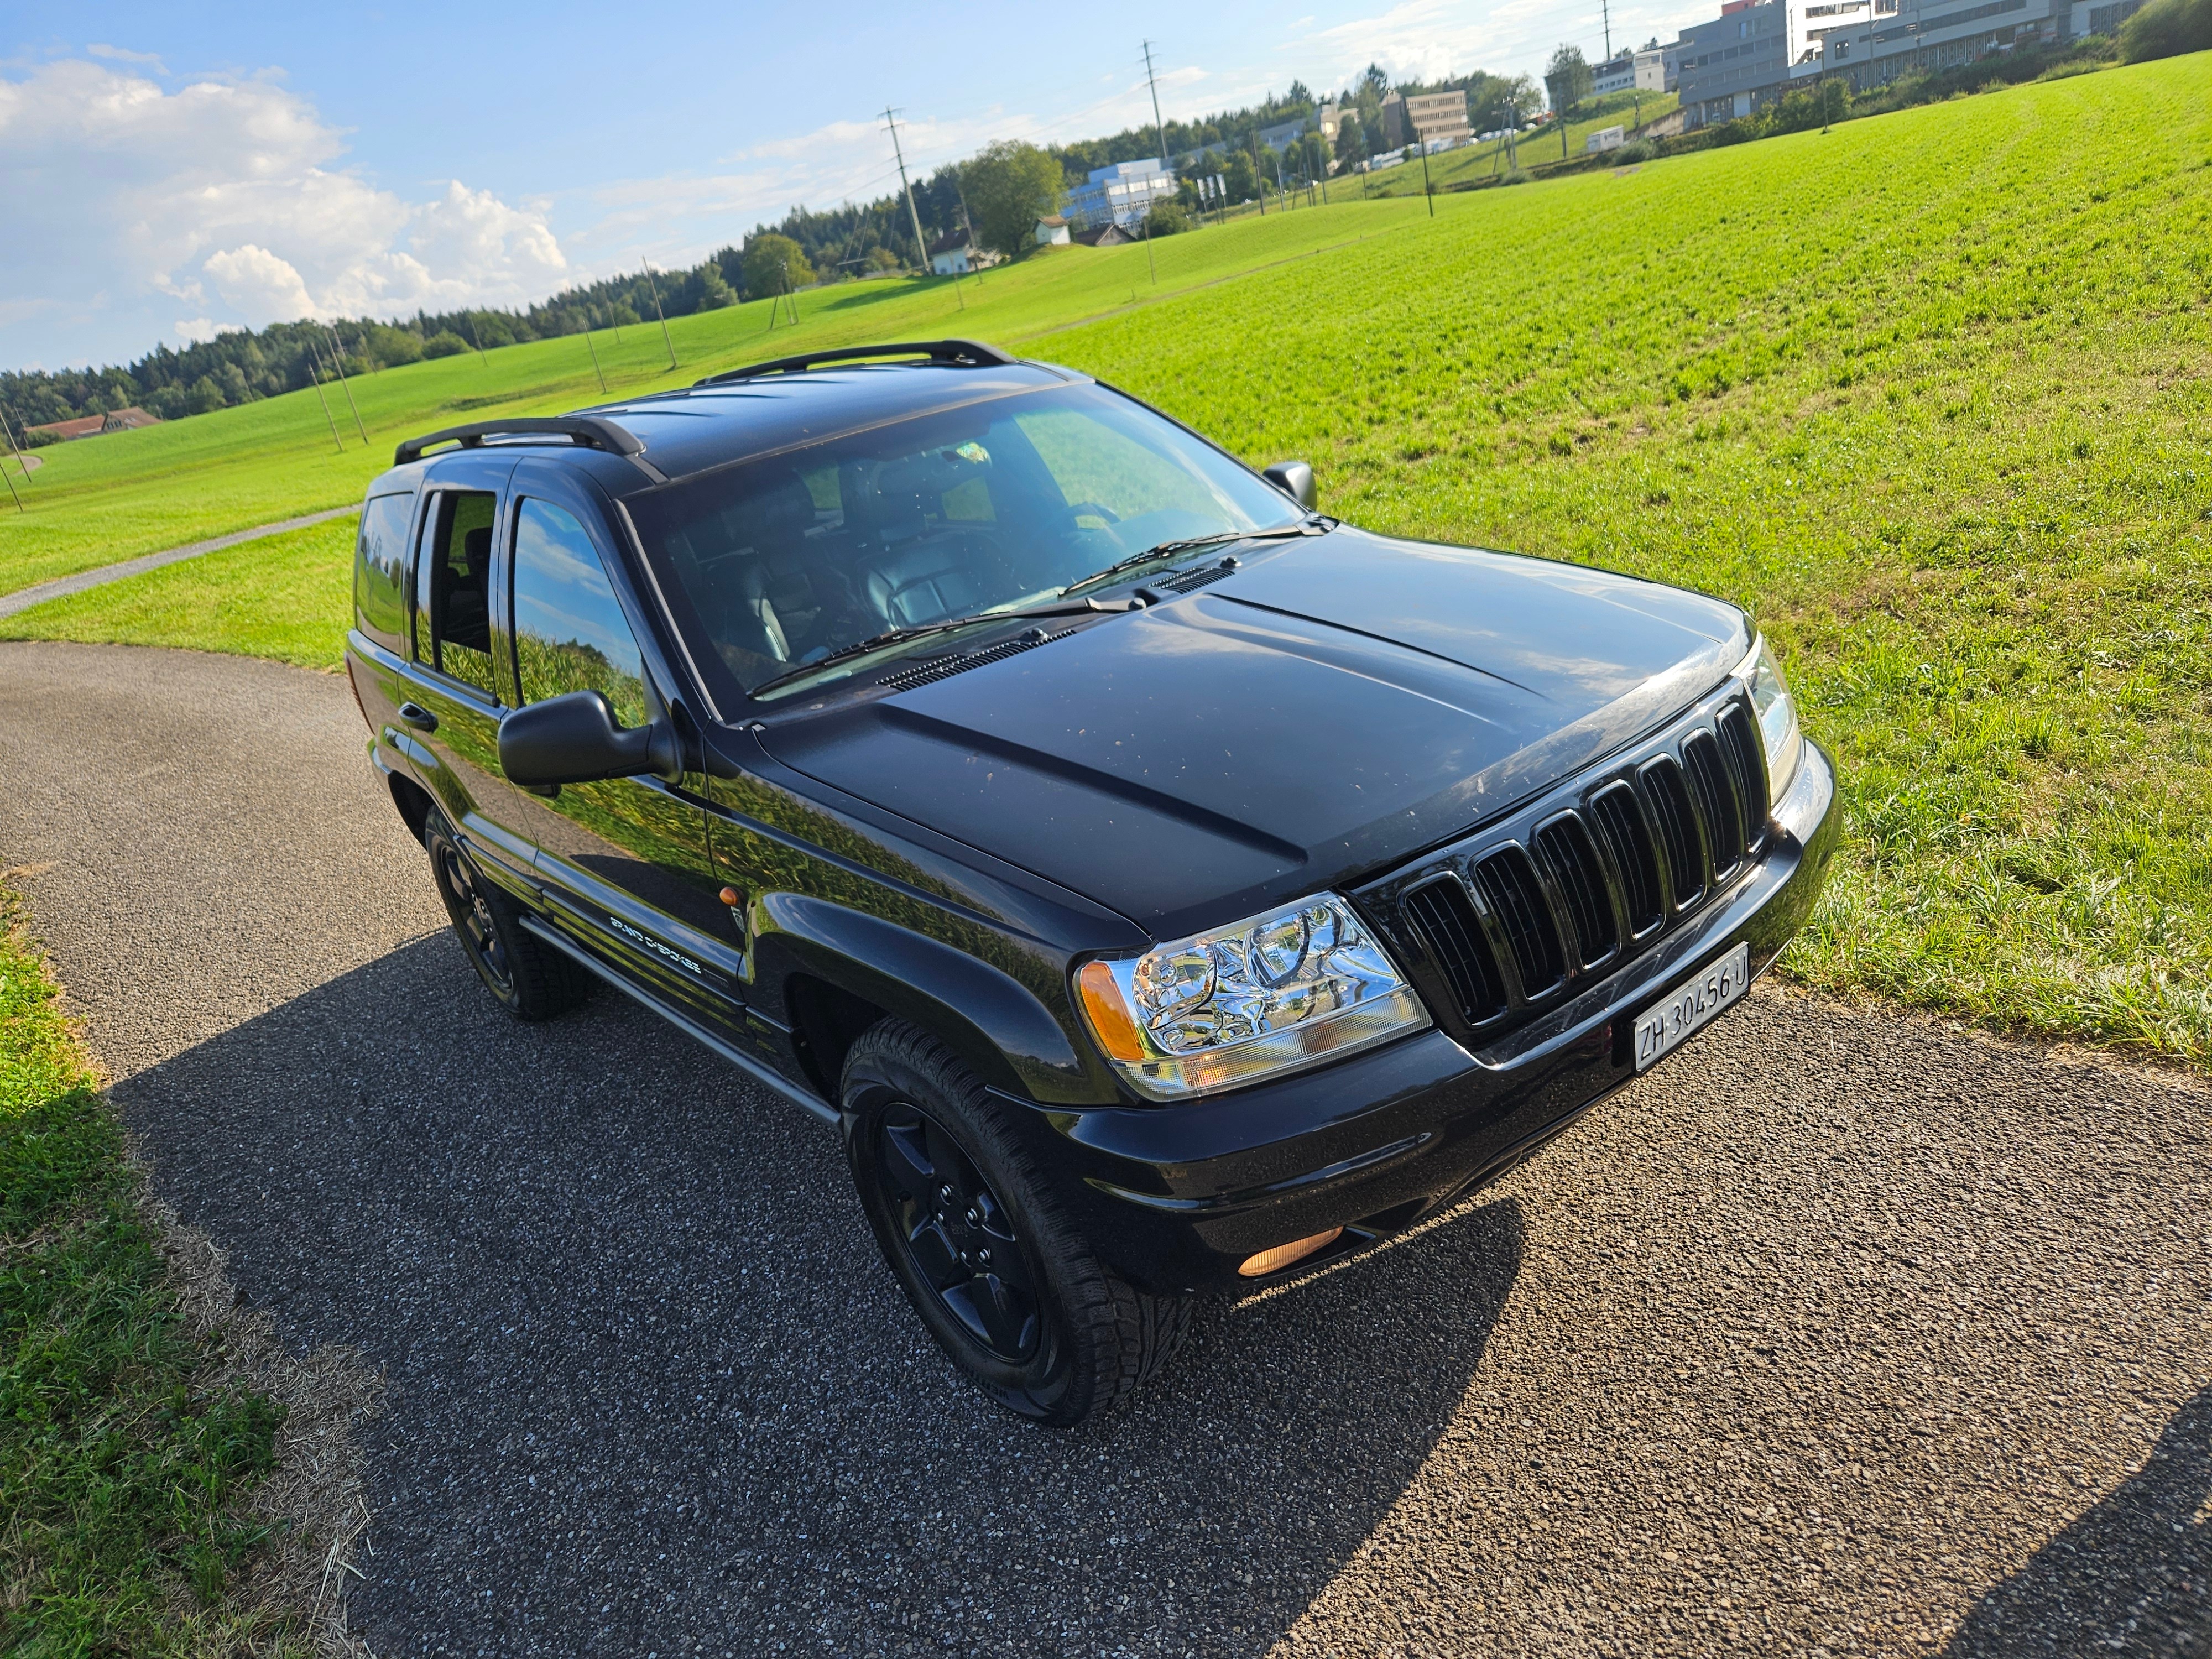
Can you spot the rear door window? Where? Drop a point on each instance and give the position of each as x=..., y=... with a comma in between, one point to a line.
x=453, y=588
x=570, y=634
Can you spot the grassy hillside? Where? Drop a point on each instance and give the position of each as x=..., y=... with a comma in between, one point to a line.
x=1927, y=394
x=104, y=499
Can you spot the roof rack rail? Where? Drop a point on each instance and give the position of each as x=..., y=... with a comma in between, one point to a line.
x=589, y=431
x=961, y=354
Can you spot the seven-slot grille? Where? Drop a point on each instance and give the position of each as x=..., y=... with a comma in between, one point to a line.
x=1519, y=922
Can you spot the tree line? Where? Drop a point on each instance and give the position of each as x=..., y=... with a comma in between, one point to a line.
x=995, y=197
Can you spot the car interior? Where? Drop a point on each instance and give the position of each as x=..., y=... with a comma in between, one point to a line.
x=797, y=556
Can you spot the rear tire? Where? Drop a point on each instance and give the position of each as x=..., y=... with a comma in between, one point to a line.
x=988, y=1255
x=530, y=979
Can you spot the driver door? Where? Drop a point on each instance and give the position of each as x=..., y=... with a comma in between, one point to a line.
x=623, y=862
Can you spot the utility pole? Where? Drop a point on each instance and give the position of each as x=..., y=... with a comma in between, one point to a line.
x=321, y=399
x=18, y=455
x=14, y=448
x=594, y=349
x=470, y=318
x=920, y=247
x=1159, y=125
x=1605, y=8
x=1428, y=188
x=654, y=288
x=337, y=360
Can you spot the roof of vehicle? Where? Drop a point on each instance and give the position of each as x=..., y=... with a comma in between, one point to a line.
x=752, y=411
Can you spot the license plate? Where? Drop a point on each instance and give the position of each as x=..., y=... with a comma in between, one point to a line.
x=1692, y=1006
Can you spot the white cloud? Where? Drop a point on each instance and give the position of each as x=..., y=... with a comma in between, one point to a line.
x=229, y=194
x=119, y=55
x=258, y=284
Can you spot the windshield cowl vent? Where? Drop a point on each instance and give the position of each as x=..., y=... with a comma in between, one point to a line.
x=1190, y=581
x=944, y=668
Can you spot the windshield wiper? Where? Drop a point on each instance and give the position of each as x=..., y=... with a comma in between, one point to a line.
x=1313, y=526
x=918, y=630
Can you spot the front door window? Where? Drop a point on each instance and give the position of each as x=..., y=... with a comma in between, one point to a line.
x=569, y=634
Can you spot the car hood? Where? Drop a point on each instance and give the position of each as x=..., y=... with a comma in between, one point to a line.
x=1335, y=705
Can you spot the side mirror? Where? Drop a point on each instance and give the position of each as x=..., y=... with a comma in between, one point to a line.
x=1295, y=479
x=574, y=739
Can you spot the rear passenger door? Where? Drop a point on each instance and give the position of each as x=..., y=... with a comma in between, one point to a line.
x=455, y=693
x=623, y=862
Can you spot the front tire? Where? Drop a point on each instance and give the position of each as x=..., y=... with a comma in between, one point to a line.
x=530, y=979
x=991, y=1260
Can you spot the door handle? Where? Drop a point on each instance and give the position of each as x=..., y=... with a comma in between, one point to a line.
x=418, y=717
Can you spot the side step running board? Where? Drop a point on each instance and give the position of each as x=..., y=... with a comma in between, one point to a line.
x=745, y=1062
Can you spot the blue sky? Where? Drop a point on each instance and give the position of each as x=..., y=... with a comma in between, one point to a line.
x=176, y=169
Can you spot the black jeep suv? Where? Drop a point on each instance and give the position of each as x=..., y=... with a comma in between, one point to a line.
x=1161, y=885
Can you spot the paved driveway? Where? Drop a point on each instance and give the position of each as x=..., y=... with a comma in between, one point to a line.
x=1841, y=1333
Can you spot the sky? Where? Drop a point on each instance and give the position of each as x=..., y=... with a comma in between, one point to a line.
x=168, y=171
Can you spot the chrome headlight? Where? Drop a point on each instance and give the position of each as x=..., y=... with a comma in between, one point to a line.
x=1777, y=717
x=1270, y=994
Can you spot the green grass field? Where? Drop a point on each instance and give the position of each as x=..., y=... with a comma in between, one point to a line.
x=1928, y=394
x=105, y=499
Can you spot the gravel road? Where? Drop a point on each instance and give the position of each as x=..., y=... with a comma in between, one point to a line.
x=1843, y=1333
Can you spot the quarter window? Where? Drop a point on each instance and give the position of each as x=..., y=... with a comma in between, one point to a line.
x=570, y=631
x=379, y=579
x=453, y=588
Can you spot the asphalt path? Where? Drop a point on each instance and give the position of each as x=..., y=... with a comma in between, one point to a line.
x=24, y=598
x=1842, y=1333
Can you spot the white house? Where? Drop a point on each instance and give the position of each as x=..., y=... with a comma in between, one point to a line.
x=1052, y=231
x=953, y=255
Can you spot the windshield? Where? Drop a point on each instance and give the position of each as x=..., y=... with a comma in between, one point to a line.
x=786, y=561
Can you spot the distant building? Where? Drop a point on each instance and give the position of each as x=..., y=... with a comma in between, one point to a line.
x=1329, y=120
x=1433, y=119
x=1641, y=70
x=1122, y=194
x=1441, y=119
x=1284, y=134
x=1757, y=50
x=1105, y=235
x=1736, y=64
x=2093, y=17
x=1615, y=75
x=91, y=426
x=1052, y=231
x=952, y=255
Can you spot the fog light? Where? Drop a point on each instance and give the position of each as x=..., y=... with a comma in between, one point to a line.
x=1282, y=1255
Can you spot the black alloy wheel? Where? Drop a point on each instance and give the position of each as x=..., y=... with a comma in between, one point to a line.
x=958, y=1236
x=532, y=980
x=473, y=917
x=973, y=1226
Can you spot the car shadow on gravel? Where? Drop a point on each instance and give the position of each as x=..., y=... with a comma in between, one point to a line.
x=653, y=1389
x=2132, y=1576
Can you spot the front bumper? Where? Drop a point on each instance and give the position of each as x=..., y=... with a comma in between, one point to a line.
x=1175, y=1197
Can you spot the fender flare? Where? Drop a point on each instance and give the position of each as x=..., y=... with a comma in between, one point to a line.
x=994, y=1022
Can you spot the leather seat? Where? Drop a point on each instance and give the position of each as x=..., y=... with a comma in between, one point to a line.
x=465, y=612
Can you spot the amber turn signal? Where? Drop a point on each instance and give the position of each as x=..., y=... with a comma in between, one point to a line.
x=732, y=896
x=1282, y=1255
x=1108, y=1015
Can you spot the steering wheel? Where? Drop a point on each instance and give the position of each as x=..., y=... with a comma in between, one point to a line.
x=1106, y=513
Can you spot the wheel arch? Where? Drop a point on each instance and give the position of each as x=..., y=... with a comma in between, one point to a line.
x=838, y=970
